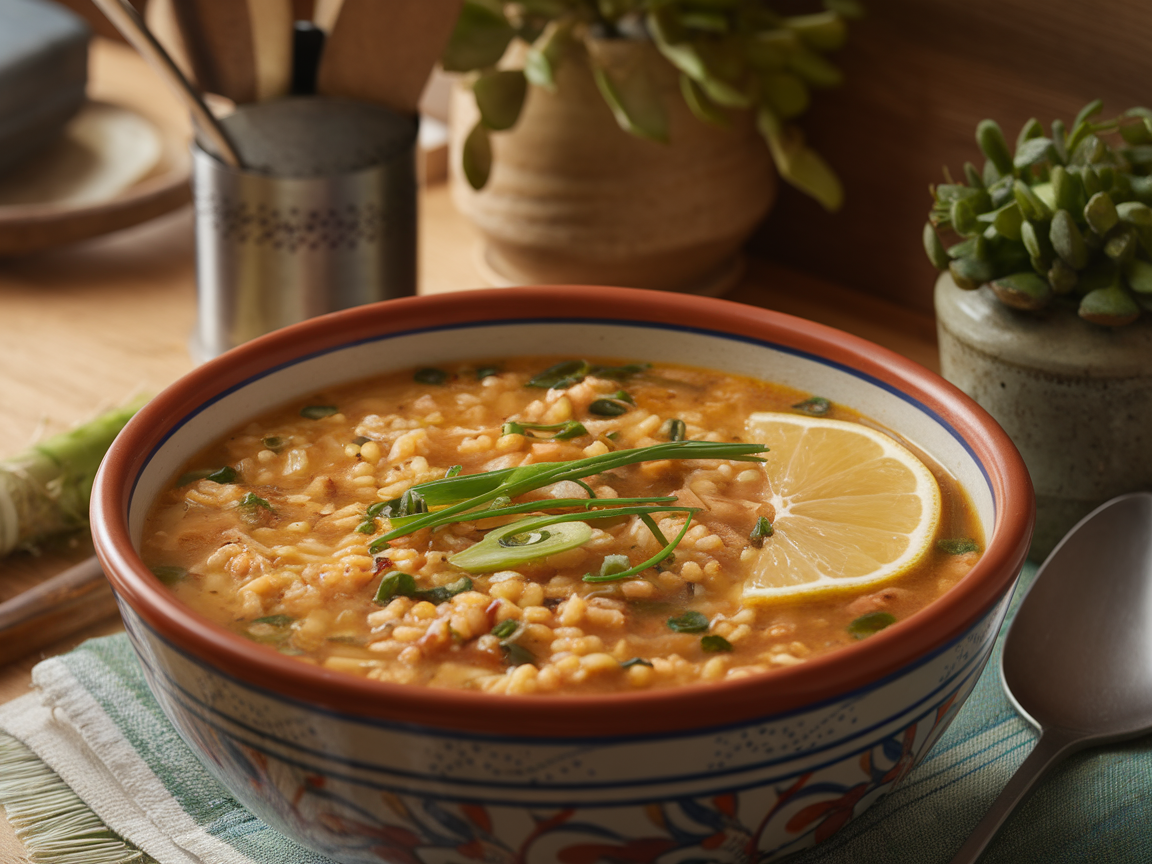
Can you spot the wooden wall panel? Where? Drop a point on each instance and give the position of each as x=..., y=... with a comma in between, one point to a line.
x=920, y=75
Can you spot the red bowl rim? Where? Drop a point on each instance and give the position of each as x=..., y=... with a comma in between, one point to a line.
x=667, y=710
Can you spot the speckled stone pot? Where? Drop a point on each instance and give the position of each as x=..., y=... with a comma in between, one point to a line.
x=1075, y=398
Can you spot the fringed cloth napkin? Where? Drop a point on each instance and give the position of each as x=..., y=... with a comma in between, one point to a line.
x=92, y=773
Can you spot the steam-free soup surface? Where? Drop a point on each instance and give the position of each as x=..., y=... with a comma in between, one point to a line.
x=275, y=532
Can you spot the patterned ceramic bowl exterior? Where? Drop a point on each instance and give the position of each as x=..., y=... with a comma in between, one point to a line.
x=741, y=771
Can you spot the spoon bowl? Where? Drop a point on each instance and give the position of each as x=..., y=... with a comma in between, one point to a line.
x=1077, y=658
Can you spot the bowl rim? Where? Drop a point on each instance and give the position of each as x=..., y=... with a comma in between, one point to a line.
x=593, y=715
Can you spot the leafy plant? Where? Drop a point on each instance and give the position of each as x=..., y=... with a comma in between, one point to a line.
x=731, y=55
x=1066, y=218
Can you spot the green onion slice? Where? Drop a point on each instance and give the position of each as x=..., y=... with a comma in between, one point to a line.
x=315, y=412
x=430, y=376
x=224, y=476
x=401, y=584
x=713, y=643
x=958, y=545
x=563, y=431
x=690, y=622
x=520, y=543
x=761, y=532
x=873, y=622
x=817, y=406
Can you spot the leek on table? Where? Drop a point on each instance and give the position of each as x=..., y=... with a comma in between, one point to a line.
x=45, y=489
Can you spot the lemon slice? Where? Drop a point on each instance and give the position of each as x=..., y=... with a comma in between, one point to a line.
x=853, y=507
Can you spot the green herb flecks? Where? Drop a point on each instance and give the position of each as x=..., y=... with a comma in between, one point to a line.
x=251, y=505
x=873, y=622
x=561, y=431
x=957, y=545
x=564, y=375
x=690, y=622
x=317, y=412
x=275, y=620
x=508, y=631
x=675, y=429
x=274, y=443
x=612, y=407
x=430, y=375
x=636, y=661
x=715, y=644
x=817, y=406
x=223, y=476
x=401, y=584
x=761, y=532
x=169, y=574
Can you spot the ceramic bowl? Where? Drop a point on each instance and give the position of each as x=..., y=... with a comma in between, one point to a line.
x=740, y=770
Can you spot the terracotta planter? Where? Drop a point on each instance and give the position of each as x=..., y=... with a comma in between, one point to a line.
x=572, y=198
x=1075, y=398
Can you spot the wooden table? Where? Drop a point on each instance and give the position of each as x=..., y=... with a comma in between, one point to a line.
x=86, y=327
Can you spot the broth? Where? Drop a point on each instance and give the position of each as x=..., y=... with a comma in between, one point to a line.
x=274, y=533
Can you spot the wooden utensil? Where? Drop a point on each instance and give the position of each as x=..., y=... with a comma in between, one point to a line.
x=240, y=50
x=383, y=52
x=128, y=21
x=63, y=605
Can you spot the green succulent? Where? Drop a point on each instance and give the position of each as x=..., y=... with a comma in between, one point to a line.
x=731, y=55
x=1066, y=219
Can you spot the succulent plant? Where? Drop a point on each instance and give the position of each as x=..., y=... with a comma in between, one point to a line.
x=731, y=55
x=1065, y=219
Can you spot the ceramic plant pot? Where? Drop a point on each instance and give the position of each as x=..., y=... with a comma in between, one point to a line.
x=573, y=198
x=1075, y=398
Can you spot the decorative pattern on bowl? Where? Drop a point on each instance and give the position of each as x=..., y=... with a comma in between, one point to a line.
x=748, y=792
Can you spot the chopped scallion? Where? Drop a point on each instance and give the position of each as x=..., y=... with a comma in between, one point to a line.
x=430, y=375
x=563, y=431
x=690, y=622
x=607, y=408
x=761, y=532
x=816, y=406
x=401, y=584
x=872, y=622
x=713, y=643
x=316, y=412
x=958, y=545
x=169, y=574
x=223, y=476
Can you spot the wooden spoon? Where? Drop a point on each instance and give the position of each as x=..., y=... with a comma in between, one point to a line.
x=240, y=50
x=384, y=52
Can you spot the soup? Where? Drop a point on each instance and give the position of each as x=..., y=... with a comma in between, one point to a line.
x=527, y=525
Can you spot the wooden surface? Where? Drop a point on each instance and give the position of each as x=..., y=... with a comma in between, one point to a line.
x=920, y=74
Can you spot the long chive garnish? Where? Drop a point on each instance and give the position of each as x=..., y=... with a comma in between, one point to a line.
x=463, y=498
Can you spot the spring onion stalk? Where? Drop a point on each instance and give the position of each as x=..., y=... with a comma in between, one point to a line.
x=45, y=489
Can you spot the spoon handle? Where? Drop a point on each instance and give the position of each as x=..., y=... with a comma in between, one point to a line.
x=1053, y=745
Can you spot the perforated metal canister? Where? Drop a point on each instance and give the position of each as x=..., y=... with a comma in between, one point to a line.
x=321, y=217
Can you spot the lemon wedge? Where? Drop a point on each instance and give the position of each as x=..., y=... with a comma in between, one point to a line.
x=854, y=507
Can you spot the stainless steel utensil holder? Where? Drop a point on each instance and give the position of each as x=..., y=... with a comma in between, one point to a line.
x=272, y=250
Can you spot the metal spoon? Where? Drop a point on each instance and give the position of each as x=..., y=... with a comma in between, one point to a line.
x=127, y=20
x=1077, y=660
